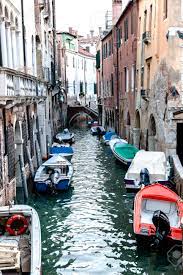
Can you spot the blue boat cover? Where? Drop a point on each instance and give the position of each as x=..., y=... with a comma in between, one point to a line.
x=108, y=135
x=59, y=150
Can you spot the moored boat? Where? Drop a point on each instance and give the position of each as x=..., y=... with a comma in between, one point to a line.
x=116, y=140
x=158, y=212
x=92, y=123
x=97, y=130
x=65, y=150
x=54, y=175
x=20, y=240
x=124, y=152
x=109, y=136
x=65, y=137
x=156, y=166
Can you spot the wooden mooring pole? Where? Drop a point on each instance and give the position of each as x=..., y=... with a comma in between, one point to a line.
x=23, y=177
x=31, y=166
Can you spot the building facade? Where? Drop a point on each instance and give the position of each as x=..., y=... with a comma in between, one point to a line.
x=147, y=73
x=78, y=67
x=26, y=99
x=159, y=58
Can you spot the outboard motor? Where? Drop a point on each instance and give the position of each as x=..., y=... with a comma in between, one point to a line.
x=162, y=224
x=66, y=131
x=144, y=177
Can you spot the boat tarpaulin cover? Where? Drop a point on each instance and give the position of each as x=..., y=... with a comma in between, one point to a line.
x=155, y=162
x=125, y=150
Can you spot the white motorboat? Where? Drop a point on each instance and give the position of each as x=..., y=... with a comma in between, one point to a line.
x=55, y=174
x=156, y=164
x=20, y=240
x=65, y=137
x=115, y=140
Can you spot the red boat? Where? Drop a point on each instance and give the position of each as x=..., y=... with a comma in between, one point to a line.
x=158, y=213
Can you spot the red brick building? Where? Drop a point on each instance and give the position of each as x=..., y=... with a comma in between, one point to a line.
x=125, y=45
x=107, y=81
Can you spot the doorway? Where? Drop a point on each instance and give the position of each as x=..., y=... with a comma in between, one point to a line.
x=180, y=141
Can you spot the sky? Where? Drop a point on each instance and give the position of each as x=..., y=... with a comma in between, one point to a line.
x=83, y=15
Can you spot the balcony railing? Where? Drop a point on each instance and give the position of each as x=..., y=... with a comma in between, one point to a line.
x=146, y=37
x=145, y=94
x=17, y=84
x=41, y=4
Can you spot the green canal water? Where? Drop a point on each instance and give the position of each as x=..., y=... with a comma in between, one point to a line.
x=88, y=230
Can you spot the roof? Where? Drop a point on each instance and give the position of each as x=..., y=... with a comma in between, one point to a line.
x=68, y=33
x=123, y=12
x=84, y=52
x=109, y=32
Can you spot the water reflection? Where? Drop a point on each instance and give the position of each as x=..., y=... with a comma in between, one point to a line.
x=88, y=230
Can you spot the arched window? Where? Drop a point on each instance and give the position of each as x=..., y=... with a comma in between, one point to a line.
x=128, y=119
x=16, y=22
x=6, y=13
x=12, y=17
x=1, y=9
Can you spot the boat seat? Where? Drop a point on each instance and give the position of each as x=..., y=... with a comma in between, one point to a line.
x=149, y=206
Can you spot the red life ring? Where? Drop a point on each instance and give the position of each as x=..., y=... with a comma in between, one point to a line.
x=16, y=225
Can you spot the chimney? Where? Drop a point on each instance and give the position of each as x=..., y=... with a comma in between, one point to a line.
x=92, y=33
x=70, y=30
x=100, y=30
x=116, y=10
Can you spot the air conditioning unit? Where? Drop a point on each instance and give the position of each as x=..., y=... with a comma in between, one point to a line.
x=146, y=37
x=145, y=94
x=41, y=4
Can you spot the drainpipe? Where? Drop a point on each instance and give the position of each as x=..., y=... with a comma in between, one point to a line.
x=54, y=42
x=117, y=85
x=23, y=34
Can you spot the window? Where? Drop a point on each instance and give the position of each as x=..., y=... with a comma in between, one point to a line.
x=150, y=18
x=133, y=78
x=142, y=77
x=112, y=85
x=95, y=88
x=126, y=29
x=148, y=75
x=74, y=88
x=165, y=10
x=126, y=80
x=118, y=37
x=109, y=47
x=132, y=27
x=73, y=62
x=85, y=87
x=81, y=87
x=145, y=20
x=45, y=40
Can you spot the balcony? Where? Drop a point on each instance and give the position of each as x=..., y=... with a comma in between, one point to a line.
x=41, y=4
x=145, y=94
x=146, y=37
x=16, y=85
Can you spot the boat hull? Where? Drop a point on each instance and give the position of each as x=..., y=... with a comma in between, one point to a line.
x=125, y=162
x=157, y=197
x=43, y=187
x=131, y=186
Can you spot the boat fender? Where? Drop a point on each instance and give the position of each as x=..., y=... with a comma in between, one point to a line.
x=16, y=225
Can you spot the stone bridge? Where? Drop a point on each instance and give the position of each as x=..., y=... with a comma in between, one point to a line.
x=74, y=111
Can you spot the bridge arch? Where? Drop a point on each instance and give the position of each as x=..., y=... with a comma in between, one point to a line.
x=75, y=111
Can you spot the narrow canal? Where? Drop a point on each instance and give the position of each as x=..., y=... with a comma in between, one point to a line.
x=88, y=230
